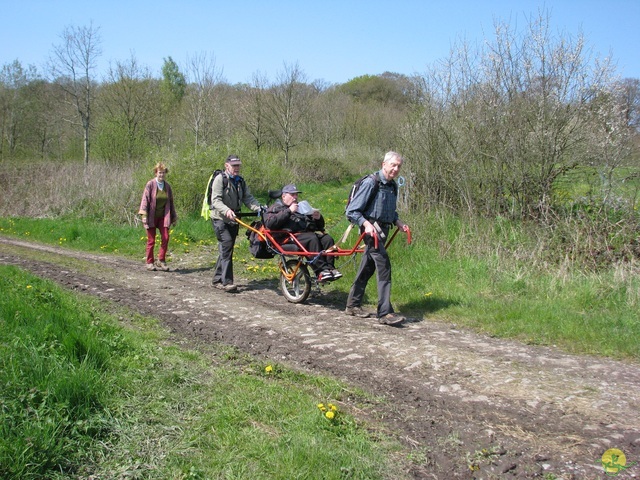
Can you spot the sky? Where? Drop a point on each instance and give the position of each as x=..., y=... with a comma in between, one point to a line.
x=329, y=40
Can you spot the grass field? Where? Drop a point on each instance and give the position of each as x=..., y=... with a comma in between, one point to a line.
x=88, y=389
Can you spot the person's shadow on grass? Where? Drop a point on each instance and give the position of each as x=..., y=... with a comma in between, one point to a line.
x=416, y=310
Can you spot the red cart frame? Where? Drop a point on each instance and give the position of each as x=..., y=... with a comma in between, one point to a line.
x=293, y=259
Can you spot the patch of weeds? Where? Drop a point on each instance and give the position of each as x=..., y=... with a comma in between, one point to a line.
x=452, y=440
x=193, y=474
x=338, y=423
x=271, y=370
x=483, y=456
x=230, y=353
x=421, y=456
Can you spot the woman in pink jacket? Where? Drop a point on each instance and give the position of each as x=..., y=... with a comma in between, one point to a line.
x=158, y=211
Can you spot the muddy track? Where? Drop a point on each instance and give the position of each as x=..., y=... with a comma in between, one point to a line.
x=453, y=397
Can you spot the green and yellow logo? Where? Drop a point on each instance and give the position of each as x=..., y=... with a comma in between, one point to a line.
x=614, y=461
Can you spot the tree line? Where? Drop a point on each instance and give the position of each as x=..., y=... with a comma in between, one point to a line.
x=506, y=128
x=130, y=112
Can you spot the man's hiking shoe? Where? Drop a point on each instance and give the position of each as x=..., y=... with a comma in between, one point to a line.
x=151, y=267
x=336, y=274
x=325, y=276
x=229, y=287
x=162, y=266
x=357, y=312
x=391, y=319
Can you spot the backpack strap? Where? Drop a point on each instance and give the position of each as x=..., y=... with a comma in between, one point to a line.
x=374, y=192
x=225, y=183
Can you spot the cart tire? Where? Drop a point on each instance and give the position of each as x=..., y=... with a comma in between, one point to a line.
x=296, y=291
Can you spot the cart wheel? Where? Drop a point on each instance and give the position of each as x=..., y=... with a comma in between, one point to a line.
x=296, y=291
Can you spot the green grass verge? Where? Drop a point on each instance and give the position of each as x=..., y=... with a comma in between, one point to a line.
x=580, y=313
x=87, y=389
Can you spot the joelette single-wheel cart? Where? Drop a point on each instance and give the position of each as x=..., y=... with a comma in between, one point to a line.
x=294, y=260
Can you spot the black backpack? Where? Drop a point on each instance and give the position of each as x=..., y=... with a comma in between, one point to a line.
x=257, y=245
x=225, y=183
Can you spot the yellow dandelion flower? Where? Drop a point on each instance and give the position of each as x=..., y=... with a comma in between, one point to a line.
x=428, y=294
x=29, y=286
x=330, y=415
x=268, y=369
x=321, y=406
x=333, y=407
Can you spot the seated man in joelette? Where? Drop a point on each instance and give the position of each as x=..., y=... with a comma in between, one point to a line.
x=308, y=229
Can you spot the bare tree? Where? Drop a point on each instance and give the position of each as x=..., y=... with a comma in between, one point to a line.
x=252, y=110
x=128, y=104
x=287, y=106
x=72, y=66
x=203, y=77
x=327, y=124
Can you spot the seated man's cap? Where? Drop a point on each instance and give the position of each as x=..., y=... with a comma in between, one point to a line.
x=291, y=188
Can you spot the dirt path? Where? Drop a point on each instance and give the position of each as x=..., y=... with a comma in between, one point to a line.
x=455, y=398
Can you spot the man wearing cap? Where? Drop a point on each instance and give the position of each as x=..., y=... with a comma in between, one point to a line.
x=284, y=214
x=228, y=192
